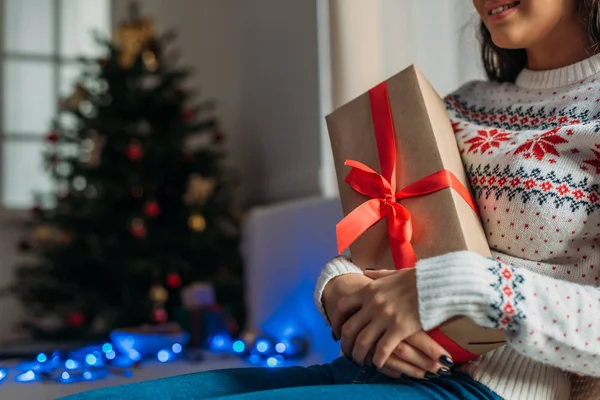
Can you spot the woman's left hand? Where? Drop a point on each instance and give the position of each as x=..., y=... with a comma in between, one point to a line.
x=388, y=314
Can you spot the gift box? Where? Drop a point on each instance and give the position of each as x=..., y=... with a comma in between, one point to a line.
x=201, y=316
x=404, y=191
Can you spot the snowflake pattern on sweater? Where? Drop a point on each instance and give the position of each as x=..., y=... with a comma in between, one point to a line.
x=533, y=160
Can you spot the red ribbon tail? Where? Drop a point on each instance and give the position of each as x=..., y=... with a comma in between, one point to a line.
x=357, y=222
x=459, y=355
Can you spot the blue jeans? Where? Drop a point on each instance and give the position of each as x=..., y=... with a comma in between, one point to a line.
x=341, y=379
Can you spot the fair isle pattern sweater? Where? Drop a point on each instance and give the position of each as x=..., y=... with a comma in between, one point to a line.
x=532, y=153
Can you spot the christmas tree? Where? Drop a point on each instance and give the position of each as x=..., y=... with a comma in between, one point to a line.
x=143, y=204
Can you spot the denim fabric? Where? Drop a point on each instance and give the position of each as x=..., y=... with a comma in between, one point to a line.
x=341, y=379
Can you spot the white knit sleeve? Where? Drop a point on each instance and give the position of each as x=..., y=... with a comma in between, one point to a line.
x=549, y=320
x=336, y=267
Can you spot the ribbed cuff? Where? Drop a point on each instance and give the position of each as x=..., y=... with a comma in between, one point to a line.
x=336, y=267
x=455, y=284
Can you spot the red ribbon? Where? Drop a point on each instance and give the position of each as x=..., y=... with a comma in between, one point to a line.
x=383, y=201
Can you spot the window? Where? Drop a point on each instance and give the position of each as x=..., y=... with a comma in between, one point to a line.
x=39, y=44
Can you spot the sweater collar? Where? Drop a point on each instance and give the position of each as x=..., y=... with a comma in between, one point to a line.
x=555, y=78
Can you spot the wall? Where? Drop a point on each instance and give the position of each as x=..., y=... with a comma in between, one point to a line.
x=259, y=59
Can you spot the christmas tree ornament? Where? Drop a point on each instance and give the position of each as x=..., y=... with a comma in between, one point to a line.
x=52, y=137
x=187, y=114
x=151, y=209
x=94, y=147
x=150, y=60
x=73, y=101
x=42, y=233
x=76, y=319
x=64, y=168
x=137, y=191
x=87, y=108
x=197, y=222
x=134, y=151
x=199, y=189
x=173, y=280
x=79, y=183
x=158, y=294
x=64, y=238
x=138, y=228
x=131, y=37
x=160, y=315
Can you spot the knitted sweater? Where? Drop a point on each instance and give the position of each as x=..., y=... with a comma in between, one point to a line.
x=532, y=153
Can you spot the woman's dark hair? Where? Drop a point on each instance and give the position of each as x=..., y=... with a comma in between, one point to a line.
x=503, y=65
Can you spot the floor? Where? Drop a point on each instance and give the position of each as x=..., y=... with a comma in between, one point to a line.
x=11, y=390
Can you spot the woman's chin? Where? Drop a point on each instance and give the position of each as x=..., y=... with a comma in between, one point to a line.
x=508, y=43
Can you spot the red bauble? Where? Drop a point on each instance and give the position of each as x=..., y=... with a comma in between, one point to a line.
x=76, y=319
x=152, y=209
x=173, y=280
x=160, y=315
x=138, y=229
x=52, y=137
x=139, y=232
x=135, y=151
x=187, y=115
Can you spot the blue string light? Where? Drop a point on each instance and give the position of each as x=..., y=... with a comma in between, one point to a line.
x=28, y=376
x=262, y=346
x=91, y=359
x=280, y=348
x=176, y=348
x=239, y=346
x=272, y=362
x=93, y=362
x=134, y=355
x=163, y=356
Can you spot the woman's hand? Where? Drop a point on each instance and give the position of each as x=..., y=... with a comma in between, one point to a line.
x=385, y=315
x=415, y=357
x=336, y=289
x=419, y=357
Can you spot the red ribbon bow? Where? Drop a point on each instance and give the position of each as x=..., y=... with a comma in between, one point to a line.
x=383, y=200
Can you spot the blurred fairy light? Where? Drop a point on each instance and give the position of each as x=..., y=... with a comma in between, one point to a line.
x=28, y=376
x=79, y=183
x=176, y=348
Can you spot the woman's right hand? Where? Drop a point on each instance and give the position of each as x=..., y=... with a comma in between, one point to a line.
x=418, y=356
x=336, y=289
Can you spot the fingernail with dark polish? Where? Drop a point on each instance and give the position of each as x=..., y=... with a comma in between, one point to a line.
x=444, y=372
x=369, y=269
x=447, y=361
x=429, y=375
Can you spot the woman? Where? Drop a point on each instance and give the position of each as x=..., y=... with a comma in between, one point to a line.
x=530, y=140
